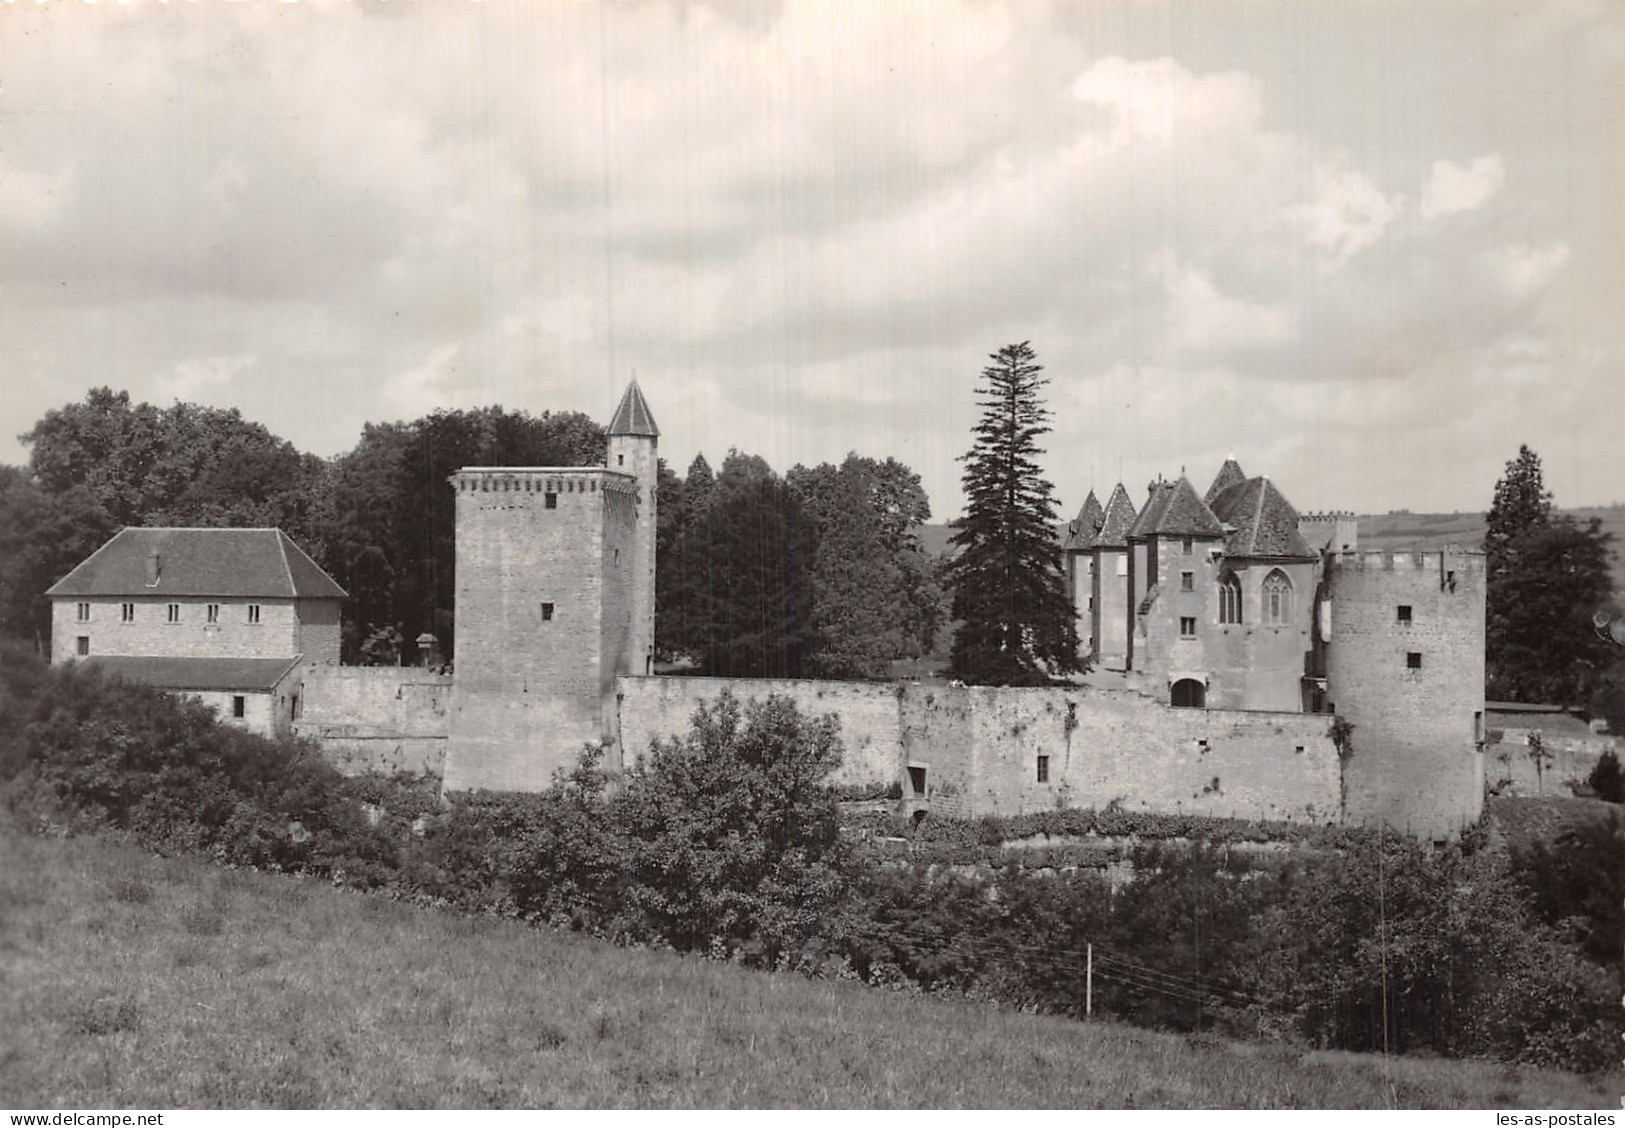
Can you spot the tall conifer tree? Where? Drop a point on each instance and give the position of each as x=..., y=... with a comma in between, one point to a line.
x=1017, y=625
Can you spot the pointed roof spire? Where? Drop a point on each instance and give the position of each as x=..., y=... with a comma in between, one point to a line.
x=633, y=417
x=1229, y=474
x=1081, y=533
x=1114, y=526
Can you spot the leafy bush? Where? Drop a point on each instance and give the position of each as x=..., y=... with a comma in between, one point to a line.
x=1606, y=780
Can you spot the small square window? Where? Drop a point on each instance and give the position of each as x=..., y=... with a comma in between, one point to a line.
x=174, y=613
x=253, y=612
x=1404, y=613
x=550, y=500
x=547, y=612
x=1187, y=581
x=84, y=612
x=126, y=612
x=1187, y=626
x=81, y=645
x=1413, y=660
x=620, y=460
x=1043, y=769
x=239, y=706
x=1185, y=545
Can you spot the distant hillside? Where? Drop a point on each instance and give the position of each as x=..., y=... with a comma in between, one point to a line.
x=1393, y=531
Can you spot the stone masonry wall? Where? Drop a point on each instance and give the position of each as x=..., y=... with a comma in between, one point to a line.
x=151, y=635
x=377, y=718
x=1507, y=765
x=530, y=686
x=1416, y=764
x=1116, y=746
x=660, y=708
x=979, y=748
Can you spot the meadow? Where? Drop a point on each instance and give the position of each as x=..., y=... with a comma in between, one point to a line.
x=135, y=981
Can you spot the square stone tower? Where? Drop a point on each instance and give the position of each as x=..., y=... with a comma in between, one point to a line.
x=555, y=598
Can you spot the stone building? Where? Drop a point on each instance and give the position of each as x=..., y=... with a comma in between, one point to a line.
x=232, y=616
x=555, y=599
x=1234, y=601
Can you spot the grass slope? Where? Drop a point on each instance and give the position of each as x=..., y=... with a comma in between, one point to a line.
x=132, y=981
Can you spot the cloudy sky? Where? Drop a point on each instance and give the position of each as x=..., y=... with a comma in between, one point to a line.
x=1367, y=247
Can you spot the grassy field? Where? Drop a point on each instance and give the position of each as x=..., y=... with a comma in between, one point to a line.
x=131, y=981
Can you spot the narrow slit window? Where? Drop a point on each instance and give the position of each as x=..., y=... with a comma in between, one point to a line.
x=1043, y=769
x=174, y=613
x=126, y=612
x=253, y=613
x=84, y=612
x=213, y=615
x=239, y=706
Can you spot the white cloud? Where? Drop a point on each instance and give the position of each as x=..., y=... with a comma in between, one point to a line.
x=204, y=377
x=1452, y=188
x=1346, y=211
x=1526, y=270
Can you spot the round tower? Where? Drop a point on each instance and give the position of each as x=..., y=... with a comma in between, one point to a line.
x=634, y=441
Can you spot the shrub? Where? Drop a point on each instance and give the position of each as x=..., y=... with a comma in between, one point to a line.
x=1606, y=780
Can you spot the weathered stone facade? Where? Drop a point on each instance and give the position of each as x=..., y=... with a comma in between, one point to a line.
x=148, y=630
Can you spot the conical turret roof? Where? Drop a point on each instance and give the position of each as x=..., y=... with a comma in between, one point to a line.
x=633, y=417
x=1081, y=533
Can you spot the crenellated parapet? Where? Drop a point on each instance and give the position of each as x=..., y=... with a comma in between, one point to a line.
x=543, y=480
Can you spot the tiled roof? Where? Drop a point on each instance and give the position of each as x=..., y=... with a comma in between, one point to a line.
x=1229, y=474
x=1118, y=520
x=1261, y=520
x=633, y=417
x=253, y=674
x=1174, y=509
x=1081, y=533
x=234, y=563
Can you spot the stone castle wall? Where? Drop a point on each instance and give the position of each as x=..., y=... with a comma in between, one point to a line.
x=377, y=718
x=979, y=748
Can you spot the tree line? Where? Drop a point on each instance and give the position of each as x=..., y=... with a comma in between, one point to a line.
x=816, y=572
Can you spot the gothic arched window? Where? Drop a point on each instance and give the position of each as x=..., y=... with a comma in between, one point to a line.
x=1229, y=598
x=1277, y=599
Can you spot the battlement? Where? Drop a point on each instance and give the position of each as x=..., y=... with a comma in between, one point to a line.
x=1460, y=560
x=543, y=480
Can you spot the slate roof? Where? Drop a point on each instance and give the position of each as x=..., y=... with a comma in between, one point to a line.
x=1117, y=521
x=1229, y=474
x=232, y=563
x=633, y=417
x=250, y=674
x=1174, y=509
x=1081, y=533
x=1261, y=522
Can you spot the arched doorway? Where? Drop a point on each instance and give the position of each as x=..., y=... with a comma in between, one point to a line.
x=1188, y=693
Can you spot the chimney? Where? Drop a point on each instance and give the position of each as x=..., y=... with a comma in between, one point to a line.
x=154, y=568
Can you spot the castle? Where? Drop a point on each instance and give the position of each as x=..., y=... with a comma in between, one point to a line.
x=1229, y=634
